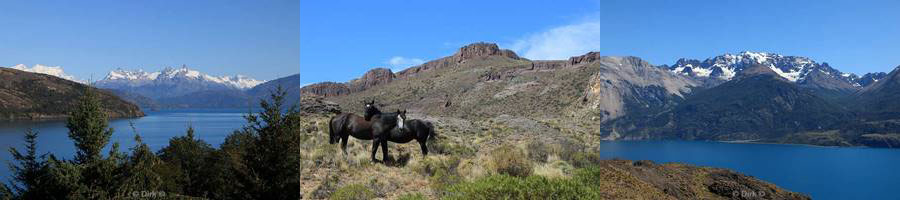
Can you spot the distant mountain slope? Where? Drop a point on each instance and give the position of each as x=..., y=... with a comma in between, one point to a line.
x=882, y=97
x=25, y=95
x=137, y=99
x=758, y=104
x=290, y=84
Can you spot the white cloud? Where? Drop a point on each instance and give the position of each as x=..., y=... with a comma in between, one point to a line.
x=398, y=63
x=560, y=42
x=53, y=71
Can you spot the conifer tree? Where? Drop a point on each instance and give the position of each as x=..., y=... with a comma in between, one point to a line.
x=140, y=172
x=275, y=162
x=89, y=129
x=186, y=156
x=30, y=172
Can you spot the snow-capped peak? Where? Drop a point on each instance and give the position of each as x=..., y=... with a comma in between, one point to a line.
x=725, y=67
x=172, y=75
x=42, y=69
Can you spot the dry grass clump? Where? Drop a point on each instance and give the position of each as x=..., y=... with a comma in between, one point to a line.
x=510, y=160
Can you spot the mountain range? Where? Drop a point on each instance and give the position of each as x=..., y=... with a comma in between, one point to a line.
x=749, y=96
x=184, y=88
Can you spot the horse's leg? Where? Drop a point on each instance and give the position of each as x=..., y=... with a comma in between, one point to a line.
x=344, y=144
x=424, y=148
x=375, y=142
x=384, y=153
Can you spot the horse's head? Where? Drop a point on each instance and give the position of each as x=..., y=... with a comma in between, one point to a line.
x=333, y=137
x=371, y=110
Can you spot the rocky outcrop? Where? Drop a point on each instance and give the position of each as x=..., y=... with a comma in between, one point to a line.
x=471, y=51
x=317, y=105
x=372, y=78
x=325, y=89
x=482, y=49
x=586, y=58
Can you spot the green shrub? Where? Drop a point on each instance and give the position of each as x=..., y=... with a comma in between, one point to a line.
x=532, y=187
x=441, y=172
x=511, y=161
x=411, y=196
x=353, y=192
x=447, y=147
x=581, y=159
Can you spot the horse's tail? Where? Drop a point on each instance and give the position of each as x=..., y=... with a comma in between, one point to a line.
x=336, y=125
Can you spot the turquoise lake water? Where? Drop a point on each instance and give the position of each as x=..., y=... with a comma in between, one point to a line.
x=822, y=172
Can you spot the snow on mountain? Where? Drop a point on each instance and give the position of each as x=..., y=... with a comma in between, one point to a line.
x=42, y=69
x=172, y=75
x=725, y=67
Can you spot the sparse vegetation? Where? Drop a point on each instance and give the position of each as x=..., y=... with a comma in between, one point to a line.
x=353, y=192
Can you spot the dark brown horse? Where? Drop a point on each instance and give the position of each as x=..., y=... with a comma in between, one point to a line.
x=419, y=130
x=345, y=125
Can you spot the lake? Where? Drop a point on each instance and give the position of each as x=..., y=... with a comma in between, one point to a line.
x=822, y=172
x=155, y=130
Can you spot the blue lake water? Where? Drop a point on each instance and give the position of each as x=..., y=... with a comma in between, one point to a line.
x=155, y=130
x=822, y=172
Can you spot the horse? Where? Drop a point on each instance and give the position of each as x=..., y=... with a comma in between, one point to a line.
x=419, y=130
x=382, y=124
x=344, y=125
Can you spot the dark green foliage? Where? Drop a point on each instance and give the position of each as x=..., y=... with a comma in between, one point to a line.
x=186, y=157
x=88, y=128
x=142, y=171
x=275, y=165
x=27, y=174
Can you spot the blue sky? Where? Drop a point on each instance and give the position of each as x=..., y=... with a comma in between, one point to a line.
x=255, y=38
x=340, y=40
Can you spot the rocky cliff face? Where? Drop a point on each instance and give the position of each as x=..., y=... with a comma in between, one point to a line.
x=325, y=89
x=372, y=78
x=629, y=84
x=31, y=96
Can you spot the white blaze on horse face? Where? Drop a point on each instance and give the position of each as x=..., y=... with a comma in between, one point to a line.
x=400, y=121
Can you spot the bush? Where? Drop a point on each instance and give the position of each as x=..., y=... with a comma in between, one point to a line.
x=511, y=161
x=583, y=159
x=441, y=172
x=446, y=147
x=411, y=196
x=537, y=151
x=353, y=192
x=532, y=187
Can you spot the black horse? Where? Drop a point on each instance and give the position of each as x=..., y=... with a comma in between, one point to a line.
x=419, y=130
x=381, y=125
